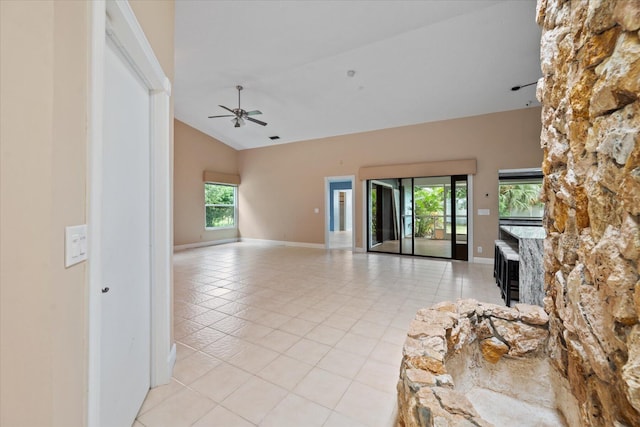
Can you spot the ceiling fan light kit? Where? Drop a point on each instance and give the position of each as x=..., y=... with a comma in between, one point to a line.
x=239, y=115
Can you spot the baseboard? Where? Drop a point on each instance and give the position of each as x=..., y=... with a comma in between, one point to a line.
x=177, y=248
x=267, y=242
x=283, y=243
x=479, y=260
x=359, y=249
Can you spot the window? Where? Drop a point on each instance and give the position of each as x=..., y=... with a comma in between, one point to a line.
x=219, y=205
x=519, y=194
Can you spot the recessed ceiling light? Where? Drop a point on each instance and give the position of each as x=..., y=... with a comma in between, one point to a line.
x=351, y=73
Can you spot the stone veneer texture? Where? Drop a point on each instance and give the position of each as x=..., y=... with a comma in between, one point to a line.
x=590, y=90
x=427, y=395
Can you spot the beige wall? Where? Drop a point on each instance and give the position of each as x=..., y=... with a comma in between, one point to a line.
x=44, y=68
x=281, y=185
x=196, y=152
x=157, y=21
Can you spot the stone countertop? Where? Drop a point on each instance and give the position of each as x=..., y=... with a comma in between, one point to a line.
x=524, y=232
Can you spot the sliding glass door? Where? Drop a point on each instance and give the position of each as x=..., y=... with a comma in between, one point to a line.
x=424, y=216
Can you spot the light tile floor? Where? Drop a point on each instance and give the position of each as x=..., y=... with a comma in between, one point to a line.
x=340, y=239
x=284, y=336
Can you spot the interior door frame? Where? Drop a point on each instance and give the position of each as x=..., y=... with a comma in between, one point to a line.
x=116, y=19
x=327, y=210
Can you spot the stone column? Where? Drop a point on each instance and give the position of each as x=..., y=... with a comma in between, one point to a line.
x=590, y=90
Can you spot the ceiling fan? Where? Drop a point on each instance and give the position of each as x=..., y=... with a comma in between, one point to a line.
x=239, y=115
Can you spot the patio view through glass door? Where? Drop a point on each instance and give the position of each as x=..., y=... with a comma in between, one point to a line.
x=432, y=209
x=424, y=216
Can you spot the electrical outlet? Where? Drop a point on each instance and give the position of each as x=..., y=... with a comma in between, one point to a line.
x=479, y=249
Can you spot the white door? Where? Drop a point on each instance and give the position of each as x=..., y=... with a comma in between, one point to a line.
x=125, y=244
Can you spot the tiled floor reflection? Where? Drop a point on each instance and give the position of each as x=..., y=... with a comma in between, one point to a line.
x=284, y=336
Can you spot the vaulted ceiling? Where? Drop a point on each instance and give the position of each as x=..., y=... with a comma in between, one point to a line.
x=413, y=62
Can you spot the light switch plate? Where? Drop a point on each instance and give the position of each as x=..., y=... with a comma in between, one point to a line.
x=75, y=245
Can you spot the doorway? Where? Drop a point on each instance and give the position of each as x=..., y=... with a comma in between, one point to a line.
x=425, y=216
x=339, y=202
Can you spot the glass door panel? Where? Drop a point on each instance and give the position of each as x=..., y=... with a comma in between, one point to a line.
x=430, y=236
x=384, y=216
x=459, y=197
x=406, y=235
x=374, y=237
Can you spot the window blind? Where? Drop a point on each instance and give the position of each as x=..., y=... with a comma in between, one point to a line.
x=220, y=178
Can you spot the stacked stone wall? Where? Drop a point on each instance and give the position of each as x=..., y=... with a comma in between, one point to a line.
x=590, y=91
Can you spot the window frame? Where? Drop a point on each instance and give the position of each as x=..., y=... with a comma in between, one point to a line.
x=234, y=205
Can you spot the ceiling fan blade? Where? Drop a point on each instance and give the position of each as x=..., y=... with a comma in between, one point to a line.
x=228, y=109
x=224, y=115
x=254, y=113
x=256, y=121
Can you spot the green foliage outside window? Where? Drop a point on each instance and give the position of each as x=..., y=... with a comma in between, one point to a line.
x=429, y=202
x=220, y=202
x=374, y=211
x=520, y=200
x=429, y=209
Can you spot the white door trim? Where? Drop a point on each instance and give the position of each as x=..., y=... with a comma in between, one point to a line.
x=118, y=20
x=327, y=214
